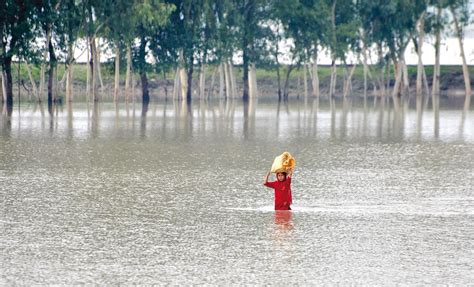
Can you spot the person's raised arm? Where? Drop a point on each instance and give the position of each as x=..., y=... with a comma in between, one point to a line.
x=290, y=172
x=265, y=180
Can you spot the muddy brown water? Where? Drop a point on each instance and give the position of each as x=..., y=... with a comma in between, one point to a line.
x=383, y=195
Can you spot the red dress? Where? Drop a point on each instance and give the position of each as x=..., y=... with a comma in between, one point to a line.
x=283, y=197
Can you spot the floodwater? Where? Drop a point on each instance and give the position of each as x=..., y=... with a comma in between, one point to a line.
x=383, y=194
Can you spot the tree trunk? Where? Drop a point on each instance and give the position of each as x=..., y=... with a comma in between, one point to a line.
x=465, y=69
x=8, y=82
x=142, y=66
x=245, y=76
x=52, y=66
x=287, y=82
x=221, y=80
x=32, y=81
x=332, y=90
x=117, y=71
x=189, y=92
x=279, y=81
x=419, y=73
x=183, y=83
x=332, y=84
x=366, y=70
x=4, y=87
x=69, y=72
x=128, y=72
x=202, y=81
x=176, y=85
x=436, y=71
x=364, y=58
x=98, y=68
x=88, y=73
x=145, y=92
x=349, y=79
x=425, y=81
x=398, y=77
x=305, y=81
x=93, y=69
x=382, y=71
x=43, y=64
x=210, y=92
x=253, y=89
x=233, y=84
x=315, y=75
x=406, y=82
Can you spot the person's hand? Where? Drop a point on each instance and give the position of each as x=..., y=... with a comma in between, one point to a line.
x=266, y=177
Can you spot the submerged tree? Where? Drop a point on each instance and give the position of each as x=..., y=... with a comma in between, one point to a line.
x=461, y=14
x=148, y=16
x=18, y=23
x=306, y=23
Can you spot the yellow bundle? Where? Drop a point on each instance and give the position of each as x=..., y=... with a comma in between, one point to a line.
x=283, y=163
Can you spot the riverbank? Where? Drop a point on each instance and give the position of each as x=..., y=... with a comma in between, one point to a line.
x=161, y=85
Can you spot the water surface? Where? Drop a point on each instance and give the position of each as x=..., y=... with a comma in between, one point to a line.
x=383, y=194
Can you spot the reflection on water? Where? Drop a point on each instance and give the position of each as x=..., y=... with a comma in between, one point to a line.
x=388, y=118
x=283, y=222
x=171, y=194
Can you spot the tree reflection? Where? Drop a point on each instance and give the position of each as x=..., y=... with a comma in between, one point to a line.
x=95, y=120
x=143, y=120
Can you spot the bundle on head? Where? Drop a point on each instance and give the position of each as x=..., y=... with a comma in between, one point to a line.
x=283, y=163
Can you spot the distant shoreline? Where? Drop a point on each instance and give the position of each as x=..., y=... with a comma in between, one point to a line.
x=161, y=86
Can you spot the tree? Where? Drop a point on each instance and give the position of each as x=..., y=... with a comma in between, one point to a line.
x=51, y=26
x=148, y=16
x=391, y=26
x=18, y=23
x=250, y=14
x=461, y=14
x=69, y=27
x=436, y=24
x=305, y=23
x=119, y=34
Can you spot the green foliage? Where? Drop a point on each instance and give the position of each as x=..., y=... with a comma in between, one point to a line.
x=19, y=25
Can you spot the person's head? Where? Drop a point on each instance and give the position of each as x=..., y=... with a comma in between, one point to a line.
x=281, y=176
